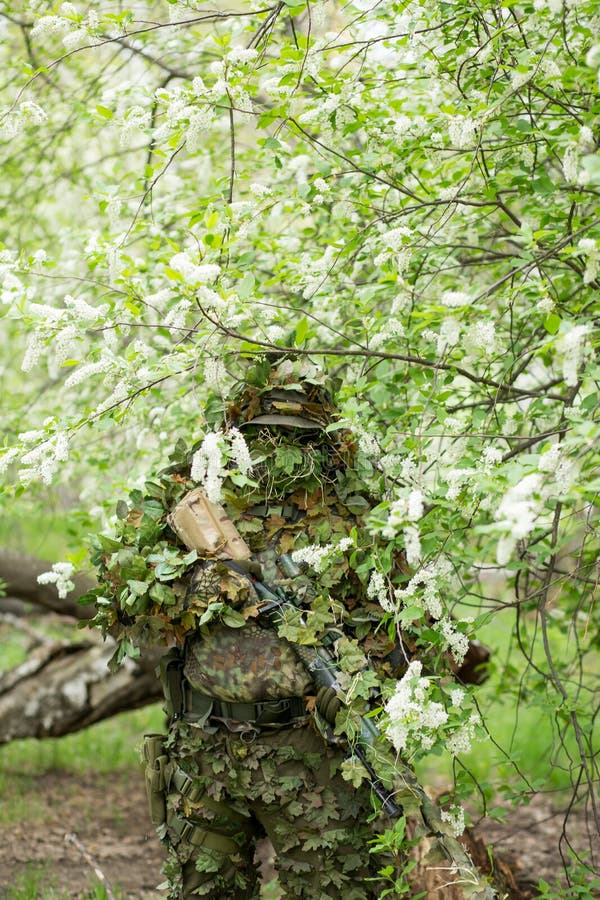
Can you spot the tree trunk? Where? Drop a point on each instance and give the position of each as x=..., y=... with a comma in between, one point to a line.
x=64, y=687
x=19, y=571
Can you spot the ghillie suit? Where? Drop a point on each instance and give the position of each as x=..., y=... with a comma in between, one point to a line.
x=252, y=748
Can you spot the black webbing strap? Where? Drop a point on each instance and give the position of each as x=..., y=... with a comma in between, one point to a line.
x=259, y=712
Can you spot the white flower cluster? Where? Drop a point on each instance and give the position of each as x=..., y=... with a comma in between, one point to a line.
x=455, y=818
x=134, y=124
x=14, y=120
x=377, y=589
x=591, y=252
x=570, y=164
x=210, y=460
x=11, y=287
x=208, y=465
x=413, y=716
x=570, y=348
x=389, y=330
x=462, y=131
x=403, y=513
x=458, y=642
x=461, y=740
x=520, y=508
x=456, y=479
x=517, y=514
x=193, y=272
x=482, y=337
x=42, y=461
x=490, y=457
x=318, y=557
x=423, y=589
x=60, y=575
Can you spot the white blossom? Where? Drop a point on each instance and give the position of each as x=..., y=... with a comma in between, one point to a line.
x=461, y=131
x=570, y=347
x=457, y=695
x=455, y=298
x=191, y=271
x=317, y=557
x=239, y=449
x=491, y=456
x=8, y=457
x=591, y=251
x=455, y=818
x=82, y=373
x=412, y=545
x=377, y=590
x=60, y=575
x=450, y=330
x=456, y=640
x=545, y=304
x=461, y=740
x=368, y=444
x=207, y=465
x=33, y=351
x=517, y=514
x=570, y=164
x=412, y=714
x=482, y=335
x=135, y=122
x=414, y=510
x=549, y=461
x=241, y=55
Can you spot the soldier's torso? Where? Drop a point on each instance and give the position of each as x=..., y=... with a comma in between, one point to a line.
x=249, y=663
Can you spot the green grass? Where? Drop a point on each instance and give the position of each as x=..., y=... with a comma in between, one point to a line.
x=36, y=882
x=109, y=746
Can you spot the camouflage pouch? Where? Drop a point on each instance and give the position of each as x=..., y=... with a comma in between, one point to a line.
x=156, y=761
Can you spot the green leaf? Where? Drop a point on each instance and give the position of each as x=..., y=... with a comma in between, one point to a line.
x=246, y=286
x=410, y=614
x=104, y=112
x=232, y=618
x=301, y=331
x=552, y=323
x=138, y=588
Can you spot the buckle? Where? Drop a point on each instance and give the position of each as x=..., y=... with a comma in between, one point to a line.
x=248, y=736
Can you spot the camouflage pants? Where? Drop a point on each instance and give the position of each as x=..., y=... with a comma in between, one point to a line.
x=286, y=784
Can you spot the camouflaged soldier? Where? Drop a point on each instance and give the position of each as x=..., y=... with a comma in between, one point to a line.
x=243, y=758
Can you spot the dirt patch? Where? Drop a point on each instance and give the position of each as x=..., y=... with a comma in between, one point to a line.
x=108, y=815
x=534, y=843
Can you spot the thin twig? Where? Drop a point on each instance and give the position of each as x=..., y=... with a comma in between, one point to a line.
x=73, y=839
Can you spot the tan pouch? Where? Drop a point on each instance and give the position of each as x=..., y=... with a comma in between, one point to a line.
x=156, y=761
x=206, y=527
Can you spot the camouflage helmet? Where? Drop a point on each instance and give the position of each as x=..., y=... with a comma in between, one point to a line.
x=288, y=395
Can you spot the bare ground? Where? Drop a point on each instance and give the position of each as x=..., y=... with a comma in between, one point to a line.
x=107, y=814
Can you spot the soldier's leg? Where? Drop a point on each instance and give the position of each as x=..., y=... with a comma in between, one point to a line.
x=211, y=836
x=317, y=822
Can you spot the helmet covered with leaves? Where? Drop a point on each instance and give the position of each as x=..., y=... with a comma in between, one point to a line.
x=290, y=395
x=286, y=413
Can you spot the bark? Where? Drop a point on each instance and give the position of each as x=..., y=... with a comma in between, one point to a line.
x=64, y=687
x=20, y=570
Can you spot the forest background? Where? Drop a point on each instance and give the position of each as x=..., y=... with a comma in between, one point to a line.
x=406, y=195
